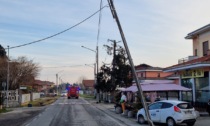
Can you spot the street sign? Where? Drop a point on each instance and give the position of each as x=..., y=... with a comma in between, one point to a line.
x=23, y=87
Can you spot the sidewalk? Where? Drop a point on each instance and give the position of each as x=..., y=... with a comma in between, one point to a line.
x=203, y=113
x=109, y=109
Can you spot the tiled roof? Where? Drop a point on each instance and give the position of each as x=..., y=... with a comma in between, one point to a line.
x=204, y=59
x=39, y=82
x=147, y=67
x=88, y=83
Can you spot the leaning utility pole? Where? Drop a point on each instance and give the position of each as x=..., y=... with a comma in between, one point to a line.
x=114, y=14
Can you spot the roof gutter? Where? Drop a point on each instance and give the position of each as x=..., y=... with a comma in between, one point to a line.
x=186, y=67
x=198, y=31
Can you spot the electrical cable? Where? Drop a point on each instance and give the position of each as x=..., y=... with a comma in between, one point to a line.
x=59, y=32
x=64, y=66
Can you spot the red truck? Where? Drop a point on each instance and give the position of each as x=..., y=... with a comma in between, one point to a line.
x=73, y=91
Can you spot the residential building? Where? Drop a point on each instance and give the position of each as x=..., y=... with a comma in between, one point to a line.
x=147, y=72
x=89, y=86
x=194, y=71
x=155, y=77
x=42, y=85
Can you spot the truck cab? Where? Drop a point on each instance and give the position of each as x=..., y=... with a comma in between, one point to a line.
x=73, y=91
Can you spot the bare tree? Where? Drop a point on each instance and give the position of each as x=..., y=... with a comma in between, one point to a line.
x=22, y=72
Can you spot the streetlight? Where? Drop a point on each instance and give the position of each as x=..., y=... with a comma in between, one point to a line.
x=57, y=80
x=60, y=83
x=96, y=69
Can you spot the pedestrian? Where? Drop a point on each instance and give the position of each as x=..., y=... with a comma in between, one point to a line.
x=123, y=99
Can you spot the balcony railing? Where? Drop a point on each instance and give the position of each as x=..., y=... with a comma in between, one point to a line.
x=186, y=59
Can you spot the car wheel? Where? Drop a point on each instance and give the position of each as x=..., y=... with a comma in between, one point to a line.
x=141, y=119
x=190, y=123
x=170, y=122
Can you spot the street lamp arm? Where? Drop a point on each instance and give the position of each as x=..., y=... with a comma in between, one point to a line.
x=60, y=71
x=90, y=65
x=89, y=49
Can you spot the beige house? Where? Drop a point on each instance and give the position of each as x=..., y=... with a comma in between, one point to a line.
x=200, y=39
x=194, y=71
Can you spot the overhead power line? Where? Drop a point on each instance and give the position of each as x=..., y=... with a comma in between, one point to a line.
x=59, y=32
x=64, y=66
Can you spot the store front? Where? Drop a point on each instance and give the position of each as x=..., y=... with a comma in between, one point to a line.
x=195, y=77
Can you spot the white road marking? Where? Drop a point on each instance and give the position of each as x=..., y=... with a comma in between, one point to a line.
x=74, y=103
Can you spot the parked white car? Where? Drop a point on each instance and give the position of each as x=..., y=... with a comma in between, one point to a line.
x=64, y=94
x=171, y=112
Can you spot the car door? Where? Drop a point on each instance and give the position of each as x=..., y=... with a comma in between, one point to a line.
x=155, y=111
x=166, y=111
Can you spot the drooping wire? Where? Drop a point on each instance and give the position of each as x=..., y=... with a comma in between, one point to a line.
x=59, y=32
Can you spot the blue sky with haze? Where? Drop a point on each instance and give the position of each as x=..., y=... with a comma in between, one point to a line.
x=154, y=29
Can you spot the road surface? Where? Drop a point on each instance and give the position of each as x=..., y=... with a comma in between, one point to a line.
x=73, y=112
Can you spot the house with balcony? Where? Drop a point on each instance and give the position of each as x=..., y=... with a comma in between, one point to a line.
x=194, y=70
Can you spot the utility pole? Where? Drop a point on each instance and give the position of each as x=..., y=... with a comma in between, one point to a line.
x=113, y=61
x=115, y=16
x=7, y=76
x=57, y=84
x=97, y=81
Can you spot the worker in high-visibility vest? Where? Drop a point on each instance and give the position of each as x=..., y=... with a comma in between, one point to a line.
x=123, y=99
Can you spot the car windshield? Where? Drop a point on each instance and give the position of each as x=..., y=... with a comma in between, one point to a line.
x=185, y=106
x=63, y=91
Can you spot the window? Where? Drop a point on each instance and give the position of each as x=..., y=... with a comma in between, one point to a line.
x=166, y=105
x=142, y=75
x=205, y=48
x=186, y=95
x=202, y=91
x=196, y=52
x=185, y=106
x=158, y=75
x=157, y=105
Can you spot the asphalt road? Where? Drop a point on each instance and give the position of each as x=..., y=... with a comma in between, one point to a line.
x=73, y=112
x=19, y=115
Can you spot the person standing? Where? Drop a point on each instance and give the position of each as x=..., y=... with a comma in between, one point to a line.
x=123, y=99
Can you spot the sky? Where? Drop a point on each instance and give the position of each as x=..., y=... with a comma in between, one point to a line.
x=155, y=31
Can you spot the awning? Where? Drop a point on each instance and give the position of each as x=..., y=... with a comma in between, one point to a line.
x=207, y=88
x=158, y=87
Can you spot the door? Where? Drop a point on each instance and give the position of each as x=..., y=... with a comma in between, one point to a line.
x=155, y=111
